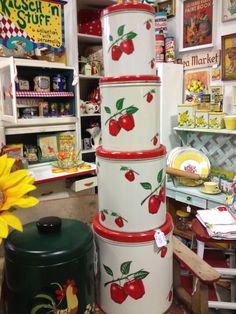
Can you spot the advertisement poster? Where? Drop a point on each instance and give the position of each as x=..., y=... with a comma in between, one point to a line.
x=198, y=17
x=27, y=25
x=196, y=84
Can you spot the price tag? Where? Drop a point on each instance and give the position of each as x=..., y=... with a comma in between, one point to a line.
x=189, y=209
x=160, y=238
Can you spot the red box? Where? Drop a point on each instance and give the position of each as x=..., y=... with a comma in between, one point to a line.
x=89, y=22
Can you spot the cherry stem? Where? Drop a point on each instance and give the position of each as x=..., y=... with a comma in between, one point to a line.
x=116, y=114
x=152, y=193
x=121, y=278
x=116, y=41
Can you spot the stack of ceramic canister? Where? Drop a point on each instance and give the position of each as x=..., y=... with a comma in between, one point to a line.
x=133, y=231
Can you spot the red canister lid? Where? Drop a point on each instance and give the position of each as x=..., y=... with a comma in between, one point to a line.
x=129, y=7
x=146, y=154
x=127, y=237
x=130, y=78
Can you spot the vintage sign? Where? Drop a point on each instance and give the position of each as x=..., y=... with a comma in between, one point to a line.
x=32, y=24
x=201, y=59
x=198, y=17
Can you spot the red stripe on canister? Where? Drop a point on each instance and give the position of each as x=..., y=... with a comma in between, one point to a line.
x=128, y=6
x=130, y=237
x=131, y=78
x=146, y=154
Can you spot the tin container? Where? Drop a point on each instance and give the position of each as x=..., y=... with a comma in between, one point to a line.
x=42, y=83
x=134, y=274
x=47, y=268
x=170, y=49
x=216, y=120
x=128, y=39
x=160, y=48
x=129, y=112
x=59, y=83
x=201, y=118
x=131, y=189
x=186, y=115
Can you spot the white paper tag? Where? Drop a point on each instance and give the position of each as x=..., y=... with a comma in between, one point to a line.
x=75, y=78
x=160, y=238
x=189, y=209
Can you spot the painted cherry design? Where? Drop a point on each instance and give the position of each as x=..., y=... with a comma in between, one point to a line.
x=149, y=97
x=155, y=140
x=222, y=208
x=154, y=204
x=126, y=121
x=103, y=216
x=148, y=25
x=170, y=295
x=162, y=194
x=114, y=127
x=116, y=53
x=163, y=251
x=119, y=222
x=127, y=46
x=130, y=175
x=117, y=293
x=134, y=288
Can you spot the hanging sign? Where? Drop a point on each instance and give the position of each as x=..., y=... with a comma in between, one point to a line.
x=201, y=59
x=31, y=24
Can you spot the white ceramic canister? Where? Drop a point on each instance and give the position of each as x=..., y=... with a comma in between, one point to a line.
x=134, y=275
x=129, y=112
x=128, y=39
x=131, y=189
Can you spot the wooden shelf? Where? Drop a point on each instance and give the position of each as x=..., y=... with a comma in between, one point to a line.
x=39, y=129
x=88, y=151
x=183, y=234
x=90, y=115
x=43, y=94
x=85, y=38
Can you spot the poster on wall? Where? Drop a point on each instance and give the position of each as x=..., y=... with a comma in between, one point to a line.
x=27, y=25
x=228, y=10
x=196, y=84
x=228, y=43
x=197, y=23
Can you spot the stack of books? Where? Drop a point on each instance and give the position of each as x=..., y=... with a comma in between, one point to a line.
x=220, y=222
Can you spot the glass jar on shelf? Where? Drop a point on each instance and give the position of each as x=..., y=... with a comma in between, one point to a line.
x=183, y=220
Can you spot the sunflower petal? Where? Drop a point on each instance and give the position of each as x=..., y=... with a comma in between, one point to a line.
x=3, y=162
x=27, y=201
x=12, y=220
x=8, y=166
x=3, y=228
x=19, y=190
x=15, y=177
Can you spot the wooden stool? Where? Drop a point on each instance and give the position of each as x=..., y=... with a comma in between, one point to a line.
x=202, y=237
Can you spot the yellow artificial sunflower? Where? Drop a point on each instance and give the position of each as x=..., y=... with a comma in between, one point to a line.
x=13, y=189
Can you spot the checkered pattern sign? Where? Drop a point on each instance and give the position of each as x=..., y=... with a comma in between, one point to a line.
x=9, y=30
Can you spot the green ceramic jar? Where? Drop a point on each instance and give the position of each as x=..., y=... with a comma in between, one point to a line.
x=49, y=268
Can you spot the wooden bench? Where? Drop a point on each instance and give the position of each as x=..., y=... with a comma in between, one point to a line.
x=203, y=275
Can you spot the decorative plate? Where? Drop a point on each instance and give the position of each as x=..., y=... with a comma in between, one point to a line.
x=203, y=190
x=191, y=160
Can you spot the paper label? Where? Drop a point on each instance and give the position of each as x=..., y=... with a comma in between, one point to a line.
x=160, y=238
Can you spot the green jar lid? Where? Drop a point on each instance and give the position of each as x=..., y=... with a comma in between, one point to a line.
x=49, y=241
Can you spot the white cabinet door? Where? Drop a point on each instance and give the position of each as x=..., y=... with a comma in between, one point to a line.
x=8, y=90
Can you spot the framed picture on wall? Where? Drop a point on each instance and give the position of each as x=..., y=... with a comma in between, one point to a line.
x=48, y=144
x=167, y=6
x=228, y=10
x=215, y=91
x=228, y=46
x=197, y=24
